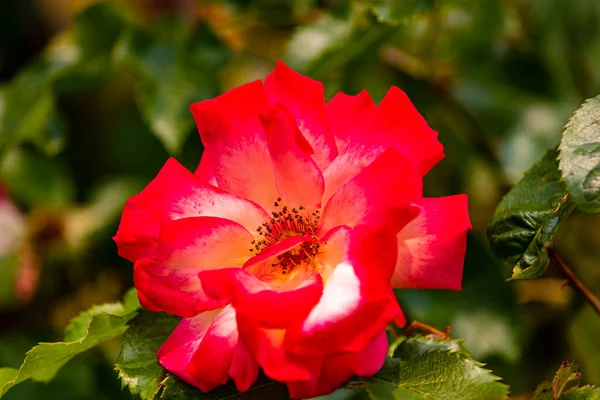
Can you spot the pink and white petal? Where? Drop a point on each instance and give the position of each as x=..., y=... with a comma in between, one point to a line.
x=431, y=248
x=176, y=352
x=204, y=243
x=213, y=357
x=396, y=122
x=235, y=144
x=346, y=113
x=305, y=99
x=297, y=176
x=205, y=171
x=176, y=193
x=169, y=282
x=353, y=159
x=341, y=368
x=380, y=195
x=357, y=301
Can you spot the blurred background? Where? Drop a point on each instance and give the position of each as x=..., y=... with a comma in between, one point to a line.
x=94, y=97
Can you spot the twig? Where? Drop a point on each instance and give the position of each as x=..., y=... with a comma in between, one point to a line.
x=419, y=326
x=574, y=281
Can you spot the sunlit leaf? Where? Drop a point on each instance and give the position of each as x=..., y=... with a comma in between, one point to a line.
x=434, y=369
x=44, y=360
x=580, y=156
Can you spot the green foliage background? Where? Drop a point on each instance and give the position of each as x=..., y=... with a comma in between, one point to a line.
x=94, y=97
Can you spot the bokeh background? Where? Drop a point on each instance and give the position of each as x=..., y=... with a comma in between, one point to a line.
x=94, y=97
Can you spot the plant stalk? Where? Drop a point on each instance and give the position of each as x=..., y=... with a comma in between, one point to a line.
x=575, y=282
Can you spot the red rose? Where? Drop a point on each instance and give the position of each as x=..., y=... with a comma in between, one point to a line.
x=281, y=252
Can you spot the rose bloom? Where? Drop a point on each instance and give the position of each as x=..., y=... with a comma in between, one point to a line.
x=281, y=251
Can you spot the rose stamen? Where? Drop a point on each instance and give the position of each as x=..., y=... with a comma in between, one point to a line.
x=284, y=223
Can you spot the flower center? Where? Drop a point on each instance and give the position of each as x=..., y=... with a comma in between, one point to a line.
x=286, y=222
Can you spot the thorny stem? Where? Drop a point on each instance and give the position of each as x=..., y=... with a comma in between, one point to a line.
x=574, y=281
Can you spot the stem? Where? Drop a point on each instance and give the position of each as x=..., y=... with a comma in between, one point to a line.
x=419, y=326
x=575, y=282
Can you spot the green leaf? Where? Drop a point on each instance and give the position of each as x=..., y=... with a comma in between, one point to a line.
x=28, y=111
x=543, y=392
x=434, y=369
x=138, y=364
x=527, y=218
x=263, y=389
x=44, y=360
x=582, y=393
x=580, y=156
x=78, y=326
x=394, y=12
x=178, y=65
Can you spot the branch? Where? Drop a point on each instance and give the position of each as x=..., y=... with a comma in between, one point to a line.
x=574, y=281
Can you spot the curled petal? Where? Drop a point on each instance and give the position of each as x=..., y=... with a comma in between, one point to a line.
x=176, y=193
x=235, y=144
x=305, y=100
x=208, y=336
x=297, y=176
x=260, y=265
x=431, y=248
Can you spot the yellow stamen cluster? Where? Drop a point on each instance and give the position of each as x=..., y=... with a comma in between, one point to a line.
x=286, y=222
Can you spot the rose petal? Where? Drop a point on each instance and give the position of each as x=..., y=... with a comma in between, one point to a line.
x=305, y=100
x=431, y=248
x=353, y=159
x=341, y=368
x=396, y=122
x=235, y=143
x=259, y=302
x=221, y=346
x=176, y=193
x=357, y=301
x=260, y=265
x=297, y=177
x=381, y=194
x=205, y=171
x=176, y=352
x=347, y=113
x=169, y=282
